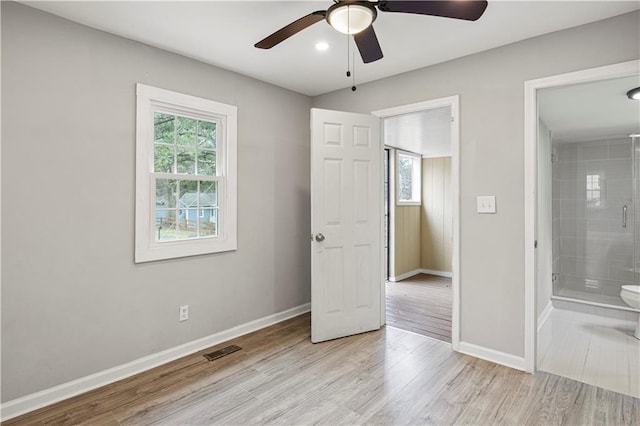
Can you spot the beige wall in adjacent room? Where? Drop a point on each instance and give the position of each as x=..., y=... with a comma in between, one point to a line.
x=436, y=215
x=407, y=239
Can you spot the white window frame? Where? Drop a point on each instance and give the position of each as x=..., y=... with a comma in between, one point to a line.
x=150, y=100
x=417, y=183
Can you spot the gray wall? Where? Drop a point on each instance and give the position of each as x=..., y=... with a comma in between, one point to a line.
x=491, y=89
x=73, y=302
x=544, y=228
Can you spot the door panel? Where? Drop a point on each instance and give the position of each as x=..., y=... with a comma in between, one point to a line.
x=346, y=209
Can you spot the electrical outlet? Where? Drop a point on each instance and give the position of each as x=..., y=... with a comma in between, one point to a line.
x=183, y=313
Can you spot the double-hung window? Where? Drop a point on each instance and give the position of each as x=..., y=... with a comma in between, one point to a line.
x=409, y=178
x=186, y=201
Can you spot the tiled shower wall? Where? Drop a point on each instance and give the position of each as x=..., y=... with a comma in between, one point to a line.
x=593, y=250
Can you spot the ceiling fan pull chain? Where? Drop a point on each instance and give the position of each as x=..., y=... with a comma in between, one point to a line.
x=348, y=54
x=348, y=46
x=353, y=87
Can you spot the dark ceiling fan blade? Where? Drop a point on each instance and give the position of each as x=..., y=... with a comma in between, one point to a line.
x=296, y=26
x=469, y=10
x=368, y=45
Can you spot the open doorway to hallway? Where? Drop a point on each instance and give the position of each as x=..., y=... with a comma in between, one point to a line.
x=419, y=224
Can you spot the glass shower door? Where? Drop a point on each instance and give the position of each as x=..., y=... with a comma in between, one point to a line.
x=595, y=185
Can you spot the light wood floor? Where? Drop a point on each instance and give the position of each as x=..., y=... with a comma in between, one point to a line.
x=382, y=377
x=421, y=304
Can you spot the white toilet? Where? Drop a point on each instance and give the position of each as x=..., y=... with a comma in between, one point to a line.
x=631, y=295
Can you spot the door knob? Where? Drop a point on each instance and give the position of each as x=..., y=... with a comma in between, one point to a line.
x=319, y=238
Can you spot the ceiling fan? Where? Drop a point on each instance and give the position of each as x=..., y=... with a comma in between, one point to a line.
x=356, y=18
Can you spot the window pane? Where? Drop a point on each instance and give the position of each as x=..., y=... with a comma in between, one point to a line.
x=206, y=135
x=163, y=128
x=165, y=225
x=209, y=223
x=405, y=175
x=188, y=194
x=186, y=131
x=166, y=190
x=186, y=160
x=208, y=194
x=207, y=163
x=188, y=223
x=163, y=158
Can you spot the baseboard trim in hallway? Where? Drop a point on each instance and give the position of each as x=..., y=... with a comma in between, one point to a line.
x=418, y=272
x=67, y=390
x=544, y=315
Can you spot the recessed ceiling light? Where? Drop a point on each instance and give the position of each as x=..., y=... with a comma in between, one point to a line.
x=634, y=94
x=322, y=45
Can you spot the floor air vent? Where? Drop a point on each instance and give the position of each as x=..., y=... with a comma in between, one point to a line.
x=222, y=352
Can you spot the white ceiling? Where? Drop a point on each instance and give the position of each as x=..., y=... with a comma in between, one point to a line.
x=223, y=33
x=590, y=111
x=425, y=132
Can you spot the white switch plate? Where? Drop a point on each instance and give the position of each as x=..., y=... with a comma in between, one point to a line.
x=183, y=313
x=486, y=203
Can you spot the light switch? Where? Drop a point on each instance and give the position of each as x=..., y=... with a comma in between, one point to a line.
x=486, y=203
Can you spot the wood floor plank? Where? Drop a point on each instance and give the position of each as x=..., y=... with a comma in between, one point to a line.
x=408, y=402
x=106, y=419
x=383, y=377
x=421, y=304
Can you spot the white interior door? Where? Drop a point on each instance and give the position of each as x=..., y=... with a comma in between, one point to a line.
x=346, y=224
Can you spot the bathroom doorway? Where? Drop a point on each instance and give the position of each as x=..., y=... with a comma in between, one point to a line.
x=421, y=211
x=587, y=221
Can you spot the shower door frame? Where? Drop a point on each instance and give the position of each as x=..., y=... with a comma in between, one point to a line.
x=531, y=87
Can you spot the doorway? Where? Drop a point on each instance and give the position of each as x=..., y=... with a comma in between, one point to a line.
x=421, y=292
x=580, y=265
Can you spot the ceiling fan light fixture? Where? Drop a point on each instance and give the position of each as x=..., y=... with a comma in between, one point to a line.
x=634, y=94
x=351, y=18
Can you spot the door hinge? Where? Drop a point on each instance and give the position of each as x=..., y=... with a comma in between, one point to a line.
x=535, y=244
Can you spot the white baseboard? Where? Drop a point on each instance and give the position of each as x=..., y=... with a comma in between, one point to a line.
x=420, y=271
x=492, y=355
x=437, y=273
x=544, y=315
x=404, y=276
x=67, y=390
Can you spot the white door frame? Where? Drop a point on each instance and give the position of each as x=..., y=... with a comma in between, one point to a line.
x=454, y=103
x=531, y=88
